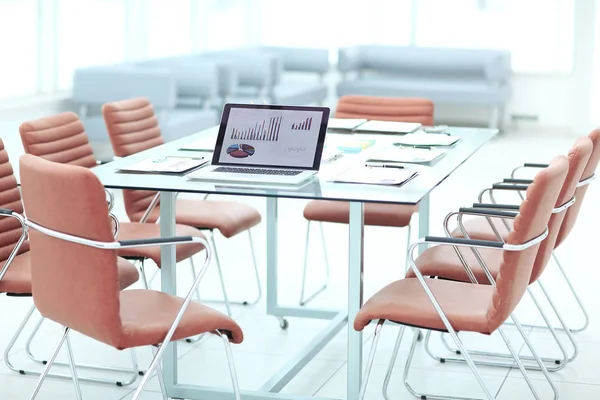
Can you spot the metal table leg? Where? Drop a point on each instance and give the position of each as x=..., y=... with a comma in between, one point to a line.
x=355, y=299
x=168, y=279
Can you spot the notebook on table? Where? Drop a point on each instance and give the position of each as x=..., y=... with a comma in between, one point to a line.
x=376, y=176
x=427, y=139
x=166, y=165
x=388, y=127
x=204, y=144
x=344, y=124
x=272, y=144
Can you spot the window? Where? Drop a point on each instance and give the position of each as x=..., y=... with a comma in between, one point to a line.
x=18, y=47
x=335, y=23
x=169, y=27
x=539, y=33
x=227, y=23
x=90, y=32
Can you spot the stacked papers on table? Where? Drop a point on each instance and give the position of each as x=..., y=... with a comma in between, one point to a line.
x=388, y=127
x=376, y=176
x=345, y=124
x=406, y=155
x=427, y=139
x=166, y=165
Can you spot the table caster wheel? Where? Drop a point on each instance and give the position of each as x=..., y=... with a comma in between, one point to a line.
x=284, y=324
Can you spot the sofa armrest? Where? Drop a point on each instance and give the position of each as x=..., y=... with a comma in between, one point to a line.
x=349, y=59
x=195, y=78
x=99, y=85
x=312, y=60
x=253, y=68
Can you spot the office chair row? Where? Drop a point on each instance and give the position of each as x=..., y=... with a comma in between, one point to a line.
x=492, y=277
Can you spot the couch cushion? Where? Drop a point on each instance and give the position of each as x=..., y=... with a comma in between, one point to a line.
x=439, y=91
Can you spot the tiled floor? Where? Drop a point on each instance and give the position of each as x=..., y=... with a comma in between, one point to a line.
x=267, y=347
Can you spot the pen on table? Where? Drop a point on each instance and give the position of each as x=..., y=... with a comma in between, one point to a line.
x=381, y=165
x=408, y=146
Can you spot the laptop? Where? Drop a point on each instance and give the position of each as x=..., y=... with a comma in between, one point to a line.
x=272, y=144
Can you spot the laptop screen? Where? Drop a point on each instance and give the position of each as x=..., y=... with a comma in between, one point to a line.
x=271, y=136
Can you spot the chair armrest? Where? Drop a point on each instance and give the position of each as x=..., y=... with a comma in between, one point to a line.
x=349, y=59
x=510, y=186
x=513, y=207
x=5, y=212
x=155, y=241
x=464, y=242
x=518, y=181
x=535, y=165
x=117, y=244
x=487, y=212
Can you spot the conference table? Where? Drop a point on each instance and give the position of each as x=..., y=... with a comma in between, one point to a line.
x=415, y=192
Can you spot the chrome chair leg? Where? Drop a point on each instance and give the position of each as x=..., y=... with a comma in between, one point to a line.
x=134, y=370
x=535, y=356
x=232, y=370
x=44, y=374
x=13, y=340
x=256, y=273
x=228, y=302
x=555, y=364
x=370, y=359
x=304, y=300
x=221, y=278
x=575, y=295
x=73, y=368
x=394, y=356
x=408, y=234
x=160, y=377
x=519, y=363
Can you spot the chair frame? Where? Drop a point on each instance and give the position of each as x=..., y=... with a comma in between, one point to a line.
x=155, y=364
x=474, y=245
x=518, y=186
x=134, y=371
x=155, y=201
x=304, y=299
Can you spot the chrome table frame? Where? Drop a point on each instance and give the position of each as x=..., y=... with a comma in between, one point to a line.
x=271, y=389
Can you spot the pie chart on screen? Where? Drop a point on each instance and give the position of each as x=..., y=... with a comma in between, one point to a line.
x=240, y=150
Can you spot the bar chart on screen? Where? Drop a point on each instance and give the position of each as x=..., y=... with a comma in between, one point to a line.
x=265, y=130
x=303, y=126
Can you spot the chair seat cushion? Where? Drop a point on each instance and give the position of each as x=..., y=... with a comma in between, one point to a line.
x=18, y=276
x=479, y=228
x=147, y=316
x=442, y=261
x=406, y=302
x=229, y=217
x=131, y=230
x=376, y=214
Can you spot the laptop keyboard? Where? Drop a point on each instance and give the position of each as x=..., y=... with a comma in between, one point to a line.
x=257, y=171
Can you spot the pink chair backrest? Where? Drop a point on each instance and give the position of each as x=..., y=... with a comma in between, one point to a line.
x=516, y=268
x=60, y=138
x=74, y=285
x=385, y=109
x=10, y=197
x=578, y=158
x=133, y=127
x=590, y=169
